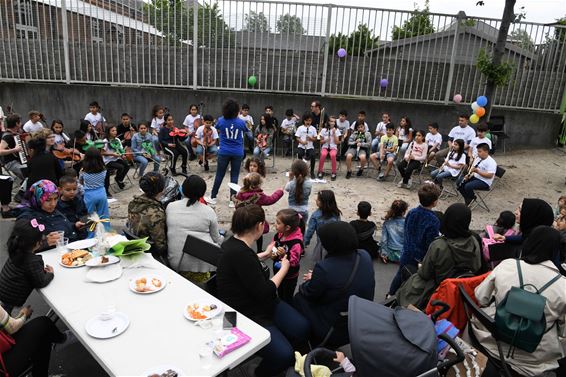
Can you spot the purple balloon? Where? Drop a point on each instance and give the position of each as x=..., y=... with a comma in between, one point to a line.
x=383, y=83
x=341, y=53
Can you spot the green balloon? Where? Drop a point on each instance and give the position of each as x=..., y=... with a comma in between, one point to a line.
x=252, y=80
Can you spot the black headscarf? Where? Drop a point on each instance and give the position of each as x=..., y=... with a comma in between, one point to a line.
x=152, y=184
x=338, y=238
x=541, y=245
x=456, y=221
x=535, y=212
x=194, y=188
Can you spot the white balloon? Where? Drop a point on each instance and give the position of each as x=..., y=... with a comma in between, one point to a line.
x=475, y=106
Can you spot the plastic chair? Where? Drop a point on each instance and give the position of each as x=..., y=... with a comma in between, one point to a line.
x=482, y=197
x=205, y=251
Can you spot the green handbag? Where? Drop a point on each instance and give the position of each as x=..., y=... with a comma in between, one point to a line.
x=519, y=318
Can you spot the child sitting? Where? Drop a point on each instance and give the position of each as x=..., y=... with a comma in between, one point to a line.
x=387, y=151
x=24, y=270
x=71, y=205
x=561, y=227
x=343, y=125
x=327, y=212
x=404, y=133
x=452, y=166
x=504, y=223
x=206, y=137
x=414, y=158
x=143, y=147
x=479, y=139
x=358, y=146
x=264, y=136
x=255, y=165
x=288, y=130
x=380, y=130
x=251, y=193
x=288, y=240
x=433, y=139
x=392, y=232
x=365, y=229
x=306, y=134
x=561, y=205
x=329, y=138
x=299, y=188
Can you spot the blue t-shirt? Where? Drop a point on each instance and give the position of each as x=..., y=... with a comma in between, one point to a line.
x=231, y=133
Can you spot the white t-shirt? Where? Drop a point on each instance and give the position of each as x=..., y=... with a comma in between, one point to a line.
x=200, y=133
x=156, y=123
x=451, y=158
x=354, y=126
x=189, y=122
x=61, y=138
x=303, y=132
x=289, y=125
x=94, y=119
x=402, y=136
x=324, y=133
x=248, y=119
x=381, y=129
x=108, y=148
x=488, y=165
x=343, y=126
x=31, y=127
x=467, y=134
x=433, y=140
x=477, y=141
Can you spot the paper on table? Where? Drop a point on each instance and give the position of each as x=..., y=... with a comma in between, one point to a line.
x=138, y=261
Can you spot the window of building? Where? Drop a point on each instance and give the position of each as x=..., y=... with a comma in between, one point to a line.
x=96, y=30
x=26, y=22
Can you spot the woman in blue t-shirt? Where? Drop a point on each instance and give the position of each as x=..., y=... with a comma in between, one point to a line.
x=231, y=131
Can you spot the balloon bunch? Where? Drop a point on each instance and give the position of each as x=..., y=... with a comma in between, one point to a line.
x=479, y=109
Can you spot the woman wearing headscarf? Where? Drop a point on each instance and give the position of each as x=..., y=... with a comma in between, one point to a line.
x=327, y=288
x=146, y=215
x=457, y=250
x=42, y=206
x=537, y=270
x=190, y=216
x=530, y=214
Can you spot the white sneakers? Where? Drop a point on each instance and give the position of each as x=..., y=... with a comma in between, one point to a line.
x=211, y=201
x=400, y=184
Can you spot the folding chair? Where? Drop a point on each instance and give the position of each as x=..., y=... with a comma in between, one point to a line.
x=452, y=190
x=205, y=251
x=473, y=310
x=481, y=198
x=496, y=126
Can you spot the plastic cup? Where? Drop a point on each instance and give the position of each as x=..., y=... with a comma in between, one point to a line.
x=108, y=313
x=205, y=356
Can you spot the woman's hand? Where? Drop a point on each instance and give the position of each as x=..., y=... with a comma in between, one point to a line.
x=52, y=238
x=498, y=237
x=307, y=276
x=26, y=311
x=285, y=264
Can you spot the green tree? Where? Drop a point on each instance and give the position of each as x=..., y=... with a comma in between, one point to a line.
x=175, y=20
x=356, y=43
x=290, y=24
x=257, y=22
x=418, y=24
x=522, y=39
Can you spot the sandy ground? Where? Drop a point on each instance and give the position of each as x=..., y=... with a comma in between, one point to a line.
x=529, y=173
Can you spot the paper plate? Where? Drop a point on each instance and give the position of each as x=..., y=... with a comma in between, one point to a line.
x=151, y=284
x=82, y=244
x=103, y=275
x=202, y=304
x=161, y=369
x=234, y=186
x=79, y=266
x=96, y=261
x=100, y=329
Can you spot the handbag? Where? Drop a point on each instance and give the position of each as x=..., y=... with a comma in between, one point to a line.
x=6, y=344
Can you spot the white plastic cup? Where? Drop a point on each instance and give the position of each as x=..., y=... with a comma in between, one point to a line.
x=205, y=356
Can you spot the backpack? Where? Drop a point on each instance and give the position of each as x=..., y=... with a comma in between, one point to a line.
x=519, y=317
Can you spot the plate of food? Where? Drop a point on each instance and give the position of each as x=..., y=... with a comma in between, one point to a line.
x=146, y=284
x=82, y=244
x=102, y=261
x=75, y=258
x=164, y=371
x=201, y=310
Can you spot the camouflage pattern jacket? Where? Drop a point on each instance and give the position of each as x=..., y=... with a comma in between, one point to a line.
x=146, y=218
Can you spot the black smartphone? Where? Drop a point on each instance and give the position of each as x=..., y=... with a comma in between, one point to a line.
x=229, y=321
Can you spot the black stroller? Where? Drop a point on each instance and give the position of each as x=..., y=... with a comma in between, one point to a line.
x=388, y=342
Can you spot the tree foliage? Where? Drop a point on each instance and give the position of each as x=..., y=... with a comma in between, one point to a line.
x=257, y=22
x=175, y=20
x=418, y=24
x=522, y=39
x=356, y=43
x=290, y=24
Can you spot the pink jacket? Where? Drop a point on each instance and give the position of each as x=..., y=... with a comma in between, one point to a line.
x=261, y=200
x=294, y=253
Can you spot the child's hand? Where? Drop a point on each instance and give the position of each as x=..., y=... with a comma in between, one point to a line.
x=48, y=268
x=26, y=311
x=79, y=225
x=339, y=357
x=52, y=238
x=307, y=276
x=280, y=251
x=171, y=145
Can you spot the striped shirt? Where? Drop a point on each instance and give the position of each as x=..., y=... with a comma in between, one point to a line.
x=93, y=181
x=9, y=324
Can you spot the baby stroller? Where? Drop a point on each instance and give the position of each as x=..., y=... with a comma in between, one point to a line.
x=389, y=342
x=170, y=192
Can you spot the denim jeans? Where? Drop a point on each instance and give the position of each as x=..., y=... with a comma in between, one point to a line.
x=289, y=328
x=467, y=188
x=142, y=161
x=437, y=176
x=375, y=145
x=258, y=151
x=222, y=165
x=210, y=150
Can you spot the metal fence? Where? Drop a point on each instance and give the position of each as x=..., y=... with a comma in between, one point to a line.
x=286, y=47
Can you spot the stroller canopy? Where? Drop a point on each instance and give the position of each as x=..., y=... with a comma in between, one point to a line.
x=390, y=342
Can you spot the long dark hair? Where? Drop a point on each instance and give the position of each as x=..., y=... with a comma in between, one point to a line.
x=38, y=145
x=268, y=121
x=407, y=126
x=23, y=240
x=260, y=165
x=328, y=205
x=108, y=129
x=292, y=218
x=300, y=170
x=84, y=128
x=93, y=162
x=397, y=209
x=460, y=143
x=155, y=109
x=230, y=109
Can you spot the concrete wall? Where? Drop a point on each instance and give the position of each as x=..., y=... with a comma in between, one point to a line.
x=70, y=103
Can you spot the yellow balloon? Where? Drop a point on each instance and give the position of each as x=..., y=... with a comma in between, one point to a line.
x=474, y=118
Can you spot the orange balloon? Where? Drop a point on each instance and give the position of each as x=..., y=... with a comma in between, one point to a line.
x=480, y=111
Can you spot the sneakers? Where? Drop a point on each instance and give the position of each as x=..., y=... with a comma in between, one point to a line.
x=200, y=162
x=320, y=175
x=120, y=184
x=410, y=183
x=266, y=155
x=333, y=177
x=312, y=175
x=211, y=201
x=173, y=172
x=206, y=168
x=400, y=184
x=348, y=175
x=360, y=172
x=381, y=176
x=231, y=204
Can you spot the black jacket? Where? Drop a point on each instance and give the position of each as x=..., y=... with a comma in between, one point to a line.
x=18, y=280
x=43, y=166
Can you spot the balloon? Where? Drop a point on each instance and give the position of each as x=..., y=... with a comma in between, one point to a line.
x=480, y=111
x=383, y=83
x=482, y=101
x=341, y=53
x=475, y=106
x=474, y=118
x=457, y=98
x=252, y=80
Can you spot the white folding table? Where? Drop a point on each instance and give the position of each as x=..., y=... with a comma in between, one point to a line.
x=158, y=333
